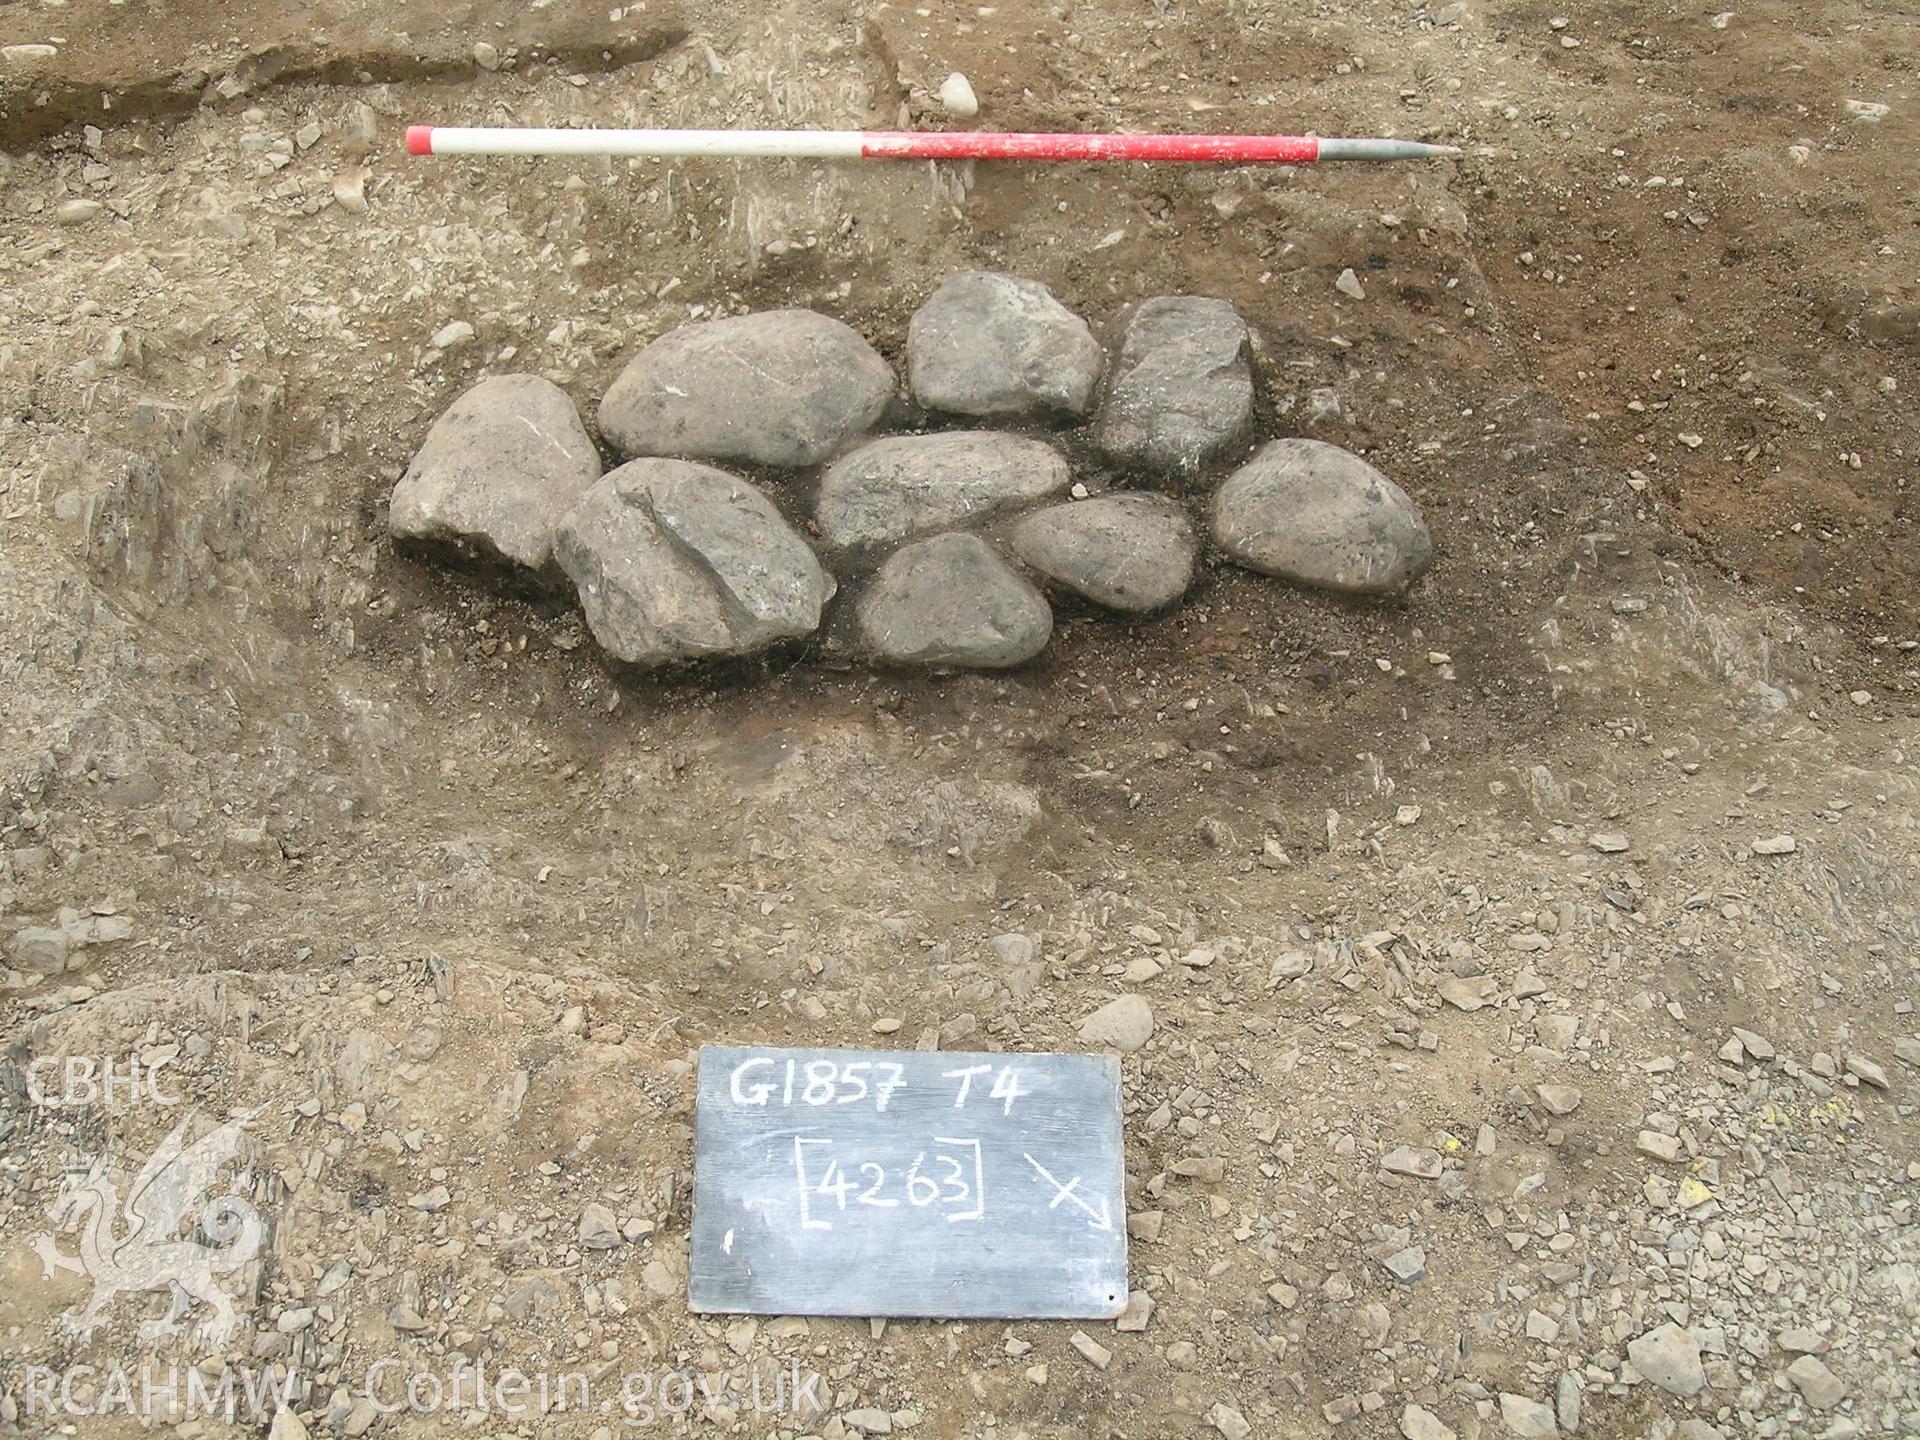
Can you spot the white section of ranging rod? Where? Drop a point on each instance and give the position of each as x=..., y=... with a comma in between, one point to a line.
x=791, y=144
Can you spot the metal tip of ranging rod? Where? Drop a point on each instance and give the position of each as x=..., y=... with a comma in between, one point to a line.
x=1384, y=150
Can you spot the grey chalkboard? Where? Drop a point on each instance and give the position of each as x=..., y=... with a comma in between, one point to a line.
x=908, y=1183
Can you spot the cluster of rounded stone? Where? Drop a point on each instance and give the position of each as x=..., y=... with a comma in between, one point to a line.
x=674, y=559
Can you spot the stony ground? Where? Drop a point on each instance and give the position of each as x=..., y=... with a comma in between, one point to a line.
x=1507, y=1061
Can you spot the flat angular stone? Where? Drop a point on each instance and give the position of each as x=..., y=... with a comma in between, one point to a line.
x=1420, y=1162
x=1181, y=388
x=905, y=485
x=1863, y=1069
x=1407, y=1265
x=1417, y=1423
x=1096, y=1354
x=910, y=1183
x=1817, y=1385
x=1318, y=515
x=1670, y=1358
x=1567, y=1402
x=1128, y=552
x=950, y=600
x=598, y=1230
x=677, y=561
x=1469, y=993
x=1138, y=1314
x=496, y=473
x=1228, y=1420
x=1527, y=1418
x=40, y=948
x=987, y=344
x=1661, y=1147
x=1558, y=1099
x=782, y=387
x=1122, y=1024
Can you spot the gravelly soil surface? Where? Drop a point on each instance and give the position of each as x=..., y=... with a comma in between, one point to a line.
x=388, y=851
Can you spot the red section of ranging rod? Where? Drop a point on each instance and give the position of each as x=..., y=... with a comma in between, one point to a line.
x=1001, y=145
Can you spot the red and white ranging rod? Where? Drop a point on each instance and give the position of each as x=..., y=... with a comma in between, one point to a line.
x=911, y=145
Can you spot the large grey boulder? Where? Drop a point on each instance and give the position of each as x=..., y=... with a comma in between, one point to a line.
x=1181, y=388
x=950, y=600
x=906, y=485
x=783, y=387
x=1318, y=515
x=987, y=344
x=677, y=561
x=496, y=473
x=1128, y=551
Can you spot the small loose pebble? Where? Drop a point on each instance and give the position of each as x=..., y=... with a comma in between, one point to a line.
x=1661, y=1147
x=1818, y=1385
x=1865, y=1071
x=1422, y=1164
x=1138, y=1312
x=1407, y=1265
x=1558, y=1099
x=957, y=97
x=1417, y=1423
x=1096, y=1354
x=452, y=335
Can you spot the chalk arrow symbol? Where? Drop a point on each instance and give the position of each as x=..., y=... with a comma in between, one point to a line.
x=1101, y=1219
